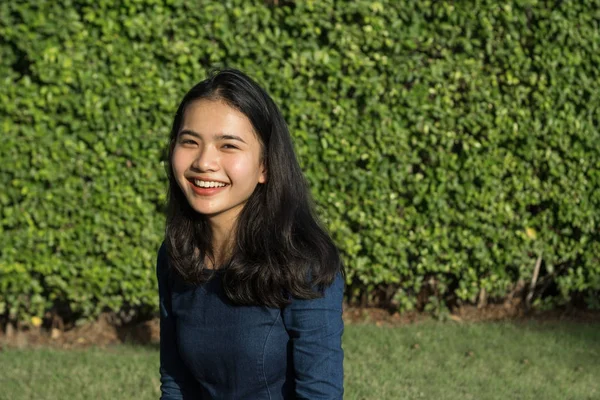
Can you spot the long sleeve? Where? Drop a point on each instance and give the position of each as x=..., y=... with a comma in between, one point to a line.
x=315, y=328
x=176, y=381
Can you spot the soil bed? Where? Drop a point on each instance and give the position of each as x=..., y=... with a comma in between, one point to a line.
x=104, y=331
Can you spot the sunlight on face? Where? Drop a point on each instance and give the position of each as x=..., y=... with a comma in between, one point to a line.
x=217, y=159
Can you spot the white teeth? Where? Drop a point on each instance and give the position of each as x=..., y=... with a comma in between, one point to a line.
x=207, y=184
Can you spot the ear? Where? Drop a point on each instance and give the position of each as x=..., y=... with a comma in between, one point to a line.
x=262, y=178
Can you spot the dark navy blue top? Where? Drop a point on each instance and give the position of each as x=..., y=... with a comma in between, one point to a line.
x=212, y=349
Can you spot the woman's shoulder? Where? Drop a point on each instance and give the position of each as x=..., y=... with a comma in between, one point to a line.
x=164, y=271
x=162, y=261
x=330, y=295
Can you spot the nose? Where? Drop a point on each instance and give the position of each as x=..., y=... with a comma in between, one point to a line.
x=207, y=159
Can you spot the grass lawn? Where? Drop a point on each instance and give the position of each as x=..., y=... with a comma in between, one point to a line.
x=429, y=360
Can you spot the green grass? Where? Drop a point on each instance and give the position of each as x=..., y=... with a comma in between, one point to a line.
x=423, y=361
x=474, y=361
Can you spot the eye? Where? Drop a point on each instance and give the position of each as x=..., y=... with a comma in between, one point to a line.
x=229, y=146
x=187, y=141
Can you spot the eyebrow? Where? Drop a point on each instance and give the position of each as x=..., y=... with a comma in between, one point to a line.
x=216, y=137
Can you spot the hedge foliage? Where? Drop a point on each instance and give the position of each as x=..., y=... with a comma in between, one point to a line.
x=448, y=144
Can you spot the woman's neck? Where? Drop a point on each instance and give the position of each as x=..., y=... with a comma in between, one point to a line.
x=222, y=244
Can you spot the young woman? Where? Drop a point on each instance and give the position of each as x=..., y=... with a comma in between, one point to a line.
x=250, y=284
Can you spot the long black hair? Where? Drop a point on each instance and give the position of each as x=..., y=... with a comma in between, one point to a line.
x=280, y=249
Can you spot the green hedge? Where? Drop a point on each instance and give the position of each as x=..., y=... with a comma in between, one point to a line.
x=447, y=144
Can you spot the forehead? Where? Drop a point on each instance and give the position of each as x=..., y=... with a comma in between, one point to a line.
x=212, y=117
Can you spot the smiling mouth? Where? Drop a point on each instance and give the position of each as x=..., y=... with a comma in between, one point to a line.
x=207, y=184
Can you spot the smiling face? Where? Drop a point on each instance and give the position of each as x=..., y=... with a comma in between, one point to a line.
x=216, y=160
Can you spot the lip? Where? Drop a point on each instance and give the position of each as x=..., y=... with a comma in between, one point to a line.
x=200, y=178
x=207, y=191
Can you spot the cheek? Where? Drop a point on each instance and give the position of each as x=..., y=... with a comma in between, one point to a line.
x=245, y=167
x=178, y=162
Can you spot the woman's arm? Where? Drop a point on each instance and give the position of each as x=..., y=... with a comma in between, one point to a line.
x=176, y=381
x=315, y=328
